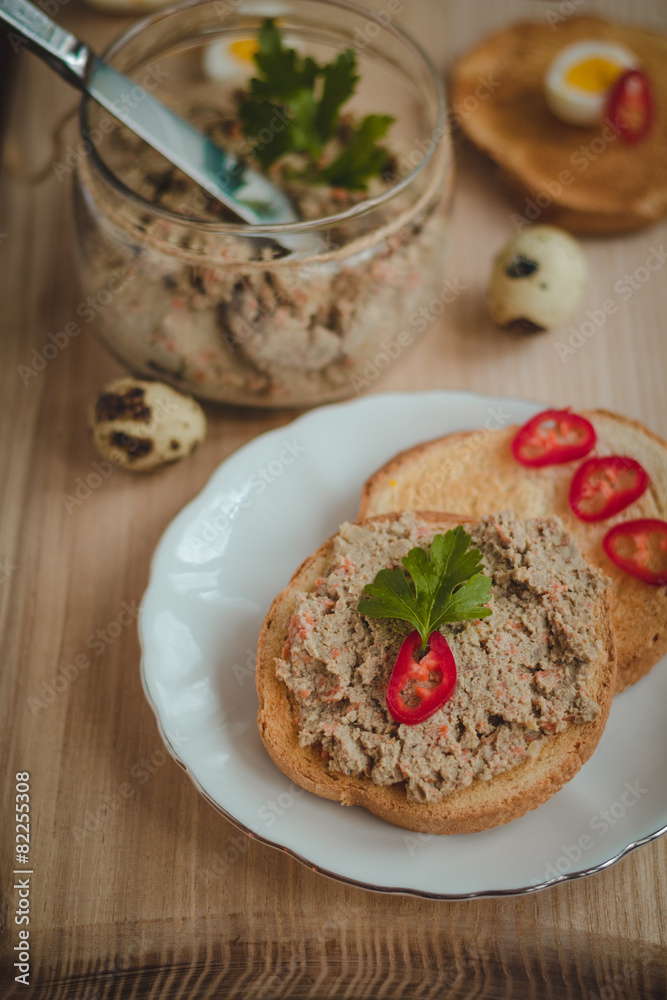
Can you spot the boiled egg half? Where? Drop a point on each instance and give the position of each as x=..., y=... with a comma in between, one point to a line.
x=580, y=79
x=226, y=60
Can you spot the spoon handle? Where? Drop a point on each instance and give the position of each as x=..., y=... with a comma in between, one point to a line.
x=245, y=191
x=27, y=25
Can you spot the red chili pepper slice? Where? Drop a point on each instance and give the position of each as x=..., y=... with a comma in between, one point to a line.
x=605, y=486
x=630, y=106
x=640, y=548
x=553, y=437
x=419, y=687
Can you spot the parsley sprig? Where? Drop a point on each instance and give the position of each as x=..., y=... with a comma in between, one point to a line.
x=299, y=102
x=446, y=586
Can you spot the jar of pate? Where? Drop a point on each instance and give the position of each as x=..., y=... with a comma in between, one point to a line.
x=285, y=315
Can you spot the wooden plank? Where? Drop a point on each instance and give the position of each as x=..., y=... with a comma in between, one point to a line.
x=160, y=896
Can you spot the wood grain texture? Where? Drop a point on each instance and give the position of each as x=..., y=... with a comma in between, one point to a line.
x=161, y=897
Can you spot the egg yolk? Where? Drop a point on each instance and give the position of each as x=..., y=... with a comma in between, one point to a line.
x=244, y=50
x=595, y=74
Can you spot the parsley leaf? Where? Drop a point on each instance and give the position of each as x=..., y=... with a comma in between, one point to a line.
x=303, y=131
x=284, y=71
x=446, y=586
x=340, y=81
x=257, y=116
x=298, y=103
x=362, y=158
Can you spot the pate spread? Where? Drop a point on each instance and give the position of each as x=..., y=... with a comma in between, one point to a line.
x=522, y=672
x=240, y=320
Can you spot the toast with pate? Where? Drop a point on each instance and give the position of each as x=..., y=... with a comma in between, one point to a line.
x=534, y=684
x=587, y=180
x=474, y=473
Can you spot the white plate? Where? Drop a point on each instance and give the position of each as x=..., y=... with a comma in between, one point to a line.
x=214, y=575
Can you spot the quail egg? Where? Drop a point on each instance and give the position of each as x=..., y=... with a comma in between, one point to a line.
x=537, y=281
x=140, y=425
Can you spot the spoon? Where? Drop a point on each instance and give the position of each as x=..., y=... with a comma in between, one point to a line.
x=244, y=191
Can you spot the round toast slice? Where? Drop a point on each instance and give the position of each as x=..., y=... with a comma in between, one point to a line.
x=474, y=473
x=481, y=805
x=588, y=180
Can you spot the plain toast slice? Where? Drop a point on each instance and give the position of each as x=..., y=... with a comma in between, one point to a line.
x=587, y=180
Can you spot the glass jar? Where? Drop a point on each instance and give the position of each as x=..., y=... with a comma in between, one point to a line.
x=228, y=311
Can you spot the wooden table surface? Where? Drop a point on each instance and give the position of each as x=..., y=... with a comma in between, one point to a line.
x=141, y=902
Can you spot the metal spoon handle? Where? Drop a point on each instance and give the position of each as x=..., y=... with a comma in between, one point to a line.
x=251, y=196
x=29, y=26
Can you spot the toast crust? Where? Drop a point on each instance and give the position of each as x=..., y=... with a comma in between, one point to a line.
x=474, y=473
x=586, y=180
x=481, y=805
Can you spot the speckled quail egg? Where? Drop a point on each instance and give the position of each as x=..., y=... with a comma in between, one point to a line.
x=580, y=78
x=140, y=425
x=537, y=281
